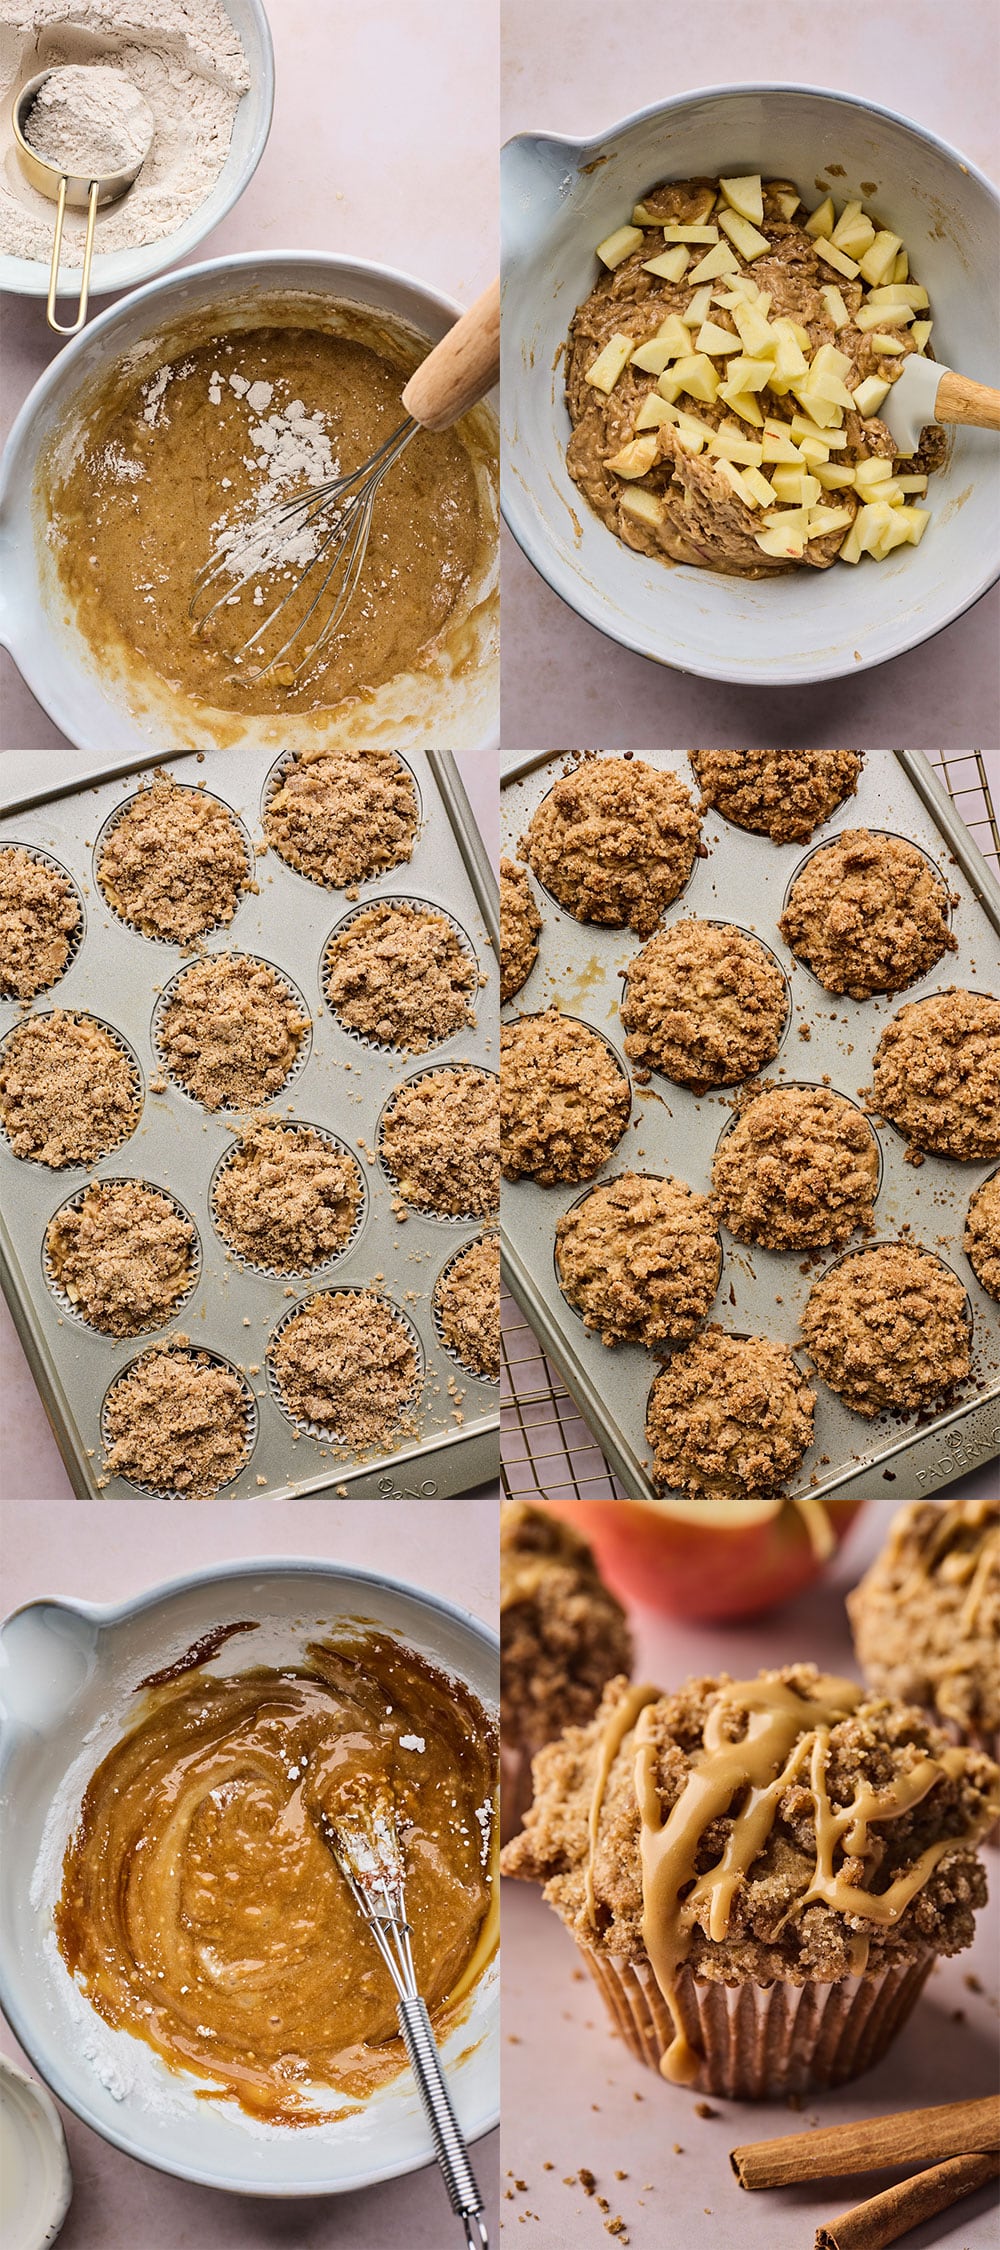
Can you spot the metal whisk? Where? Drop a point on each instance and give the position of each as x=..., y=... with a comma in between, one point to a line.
x=454, y=376
x=365, y=1844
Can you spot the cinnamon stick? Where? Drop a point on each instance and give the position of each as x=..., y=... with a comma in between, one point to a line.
x=873, y=2144
x=873, y=2225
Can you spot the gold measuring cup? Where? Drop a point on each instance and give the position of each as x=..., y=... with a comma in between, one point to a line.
x=67, y=189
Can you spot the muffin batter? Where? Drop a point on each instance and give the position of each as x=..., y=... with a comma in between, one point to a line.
x=867, y=914
x=467, y=1304
x=729, y=1417
x=173, y=470
x=175, y=863
x=564, y=1099
x=799, y=1168
x=614, y=841
x=704, y=1003
x=200, y=1908
x=888, y=1328
x=937, y=1074
x=123, y=1256
x=520, y=923
x=982, y=1235
x=39, y=921
x=784, y=794
x=342, y=816
x=640, y=1260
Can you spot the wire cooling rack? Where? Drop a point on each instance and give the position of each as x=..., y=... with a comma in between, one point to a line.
x=547, y=1448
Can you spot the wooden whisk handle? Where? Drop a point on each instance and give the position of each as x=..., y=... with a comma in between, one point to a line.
x=460, y=369
x=959, y=399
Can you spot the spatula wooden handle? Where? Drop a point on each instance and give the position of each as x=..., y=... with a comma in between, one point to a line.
x=961, y=400
x=460, y=369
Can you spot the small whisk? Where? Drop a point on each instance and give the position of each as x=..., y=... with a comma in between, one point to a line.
x=365, y=1844
x=454, y=376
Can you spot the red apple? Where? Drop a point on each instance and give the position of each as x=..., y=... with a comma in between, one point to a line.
x=710, y=1558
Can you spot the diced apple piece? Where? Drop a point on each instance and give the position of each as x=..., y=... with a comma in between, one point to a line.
x=880, y=260
x=824, y=520
x=606, y=368
x=917, y=521
x=747, y=375
x=901, y=269
x=697, y=376
x=642, y=216
x=890, y=347
x=699, y=307
x=652, y=358
x=635, y=459
x=822, y=410
x=831, y=478
x=871, y=395
x=744, y=404
x=802, y=426
x=675, y=331
x=822, y=219
x=794, y=487
x=883, y=316
x=736, y=478
x=643, y=507
x=745, y=238
x=683, y=231
x=835, y=306
x=793, y=519
x=851, y=551
x=868, y=473
x=758, y=338
x=653, y=412
x=782, y=542
x=838, y=259
x=788, y=205
x=814, y=449
x=618, y=246
x=920, y=333
x=828, y=361
x=717, y=342
x=899, y=293
x=745, y=196
x=759, y=486
x=720, y=260
x=671, y=265
x=911, y=484
x=734, y=445
x=855, y=238
x=829, y=388
x=778, y=445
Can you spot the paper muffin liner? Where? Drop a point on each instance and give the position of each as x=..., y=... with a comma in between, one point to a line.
x=515, y=1789
x=760, y=2041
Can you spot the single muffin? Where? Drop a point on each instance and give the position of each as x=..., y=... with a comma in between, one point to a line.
x=69, y=1092
x=123, y=1255
x=39, y=920
x=730, y=1417
x=759, y=1873
x=640, y=1259
x=981, y=1240
x=343, y=816
x=784, y=794
x=705, y=1004
x=400, y=975
x=867, y=914
x=287, y=1197
x=888, y=1329
x=614, y=841
x=174, y=863
x=345, y=1364
x=467, y=1305
x=231, y=1031
x=440, y=1143
x=937, y=1074
x=799, y=1167
x=564, y=1099
x=520, y=923
x=178, y=1421
x=926, y=1616
x=563, y=1636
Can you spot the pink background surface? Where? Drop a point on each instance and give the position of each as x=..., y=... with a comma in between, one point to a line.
x=574, y=67
x=573, y=2095
x=108, y=1552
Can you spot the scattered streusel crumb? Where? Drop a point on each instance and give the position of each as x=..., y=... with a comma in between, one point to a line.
x=520, y=923
x=174, y=863
x=398, y=974
x=729, y=1417
x=68, y=1091
x=177, y=1422
x=467, y=1300
x=440, y=1142
x=345, y=1361
x=286, y=1197
x=888, y=1328
x=614, y=841
x=231, y=1031
x=564, y=1099
x=39, y=918
x=122, y=1255
x=341, y=816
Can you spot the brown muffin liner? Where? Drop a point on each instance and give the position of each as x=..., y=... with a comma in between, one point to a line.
x=760, y=2041
x=515, y=1789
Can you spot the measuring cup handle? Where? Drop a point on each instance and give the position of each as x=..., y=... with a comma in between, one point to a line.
x=88, y=252
x=449, y=2142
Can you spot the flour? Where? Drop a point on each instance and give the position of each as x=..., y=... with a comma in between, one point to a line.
x=90, y=122
x=292, y=450
x=184, y=59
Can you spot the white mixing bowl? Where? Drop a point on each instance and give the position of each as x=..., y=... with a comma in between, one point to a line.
x=115, y=270
x=561, y=197
x=452, y=703
x=67, y=1674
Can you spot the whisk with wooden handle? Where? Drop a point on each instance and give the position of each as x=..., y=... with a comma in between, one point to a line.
x=454, y=377
x=365, y=1844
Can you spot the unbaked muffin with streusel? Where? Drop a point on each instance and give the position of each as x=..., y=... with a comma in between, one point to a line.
x=39, y=920
x=400, y=975
x=799, y=1167
x=230, y=1031
x=614, y=841
x=784, y=794
x=888, y=1329
x=868, y=913
x=729, y=1418
x=440, y=1142
x=705, y=1004
x=467, y=1304
x=69, y=1092
x=937, y=1074
x=342, y=816
x=640, y=1259
x=177, y=1420
x=982, y=1235
x=754, y=1880
x=174, y=862
x=520, y=923
x=563, y=1635
x=564, y=1099
x=123, y=1255
x=926, y=1616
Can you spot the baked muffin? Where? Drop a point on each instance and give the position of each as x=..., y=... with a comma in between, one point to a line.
x=798, y=1168
x=867, y=914
x=752, y=1877
x=614, y=841
x=729, y=1418
x=937, y=1074
x=704, y=1004
x=563, y=1636
x=926, y=1616
x=520, y=923
x=640, y=1260
x=888, y=1329
x=564, y=1099
x=784, y=794
x=981, y=1240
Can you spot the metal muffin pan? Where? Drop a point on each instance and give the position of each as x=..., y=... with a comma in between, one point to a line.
x=340, y=1087
x=743, y=879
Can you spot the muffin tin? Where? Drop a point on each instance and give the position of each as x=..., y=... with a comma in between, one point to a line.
x=338, y=1085
x=744, y=879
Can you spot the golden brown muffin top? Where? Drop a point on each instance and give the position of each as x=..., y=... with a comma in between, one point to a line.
x=926, y=1616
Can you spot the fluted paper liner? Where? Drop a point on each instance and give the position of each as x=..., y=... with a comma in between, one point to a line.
x=759, y=2041
x=515, y=1789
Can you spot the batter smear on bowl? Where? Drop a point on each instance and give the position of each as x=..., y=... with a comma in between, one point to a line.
x=201, y=1910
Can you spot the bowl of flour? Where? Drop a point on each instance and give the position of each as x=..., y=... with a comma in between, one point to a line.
x=205, y=68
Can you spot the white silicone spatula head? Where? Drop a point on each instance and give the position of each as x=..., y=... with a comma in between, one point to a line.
x=925, y=392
